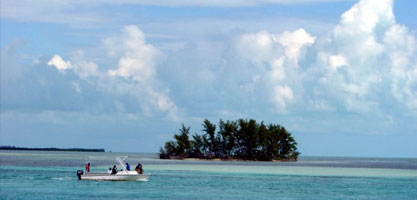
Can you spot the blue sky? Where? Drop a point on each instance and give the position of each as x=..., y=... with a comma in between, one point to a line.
x=340, y=75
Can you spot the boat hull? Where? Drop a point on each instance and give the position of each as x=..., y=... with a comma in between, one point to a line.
x=115, y=177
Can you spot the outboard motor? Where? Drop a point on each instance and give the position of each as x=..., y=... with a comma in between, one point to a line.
x=79, y=173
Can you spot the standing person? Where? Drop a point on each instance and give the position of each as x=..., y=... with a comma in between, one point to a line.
x=127, y=167
x=87, y=167
x=114, y=170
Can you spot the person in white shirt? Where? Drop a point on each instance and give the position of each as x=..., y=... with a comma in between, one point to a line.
x=109, y=171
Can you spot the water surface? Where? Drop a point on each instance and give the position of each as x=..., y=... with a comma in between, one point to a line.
x=51, y=175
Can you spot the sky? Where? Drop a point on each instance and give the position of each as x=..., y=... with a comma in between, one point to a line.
x=340, y=75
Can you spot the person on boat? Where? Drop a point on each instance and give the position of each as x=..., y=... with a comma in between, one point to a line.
x=114, y=170
x=139, y=169
x=87, y=167
x=109, y=171
x=127, y=167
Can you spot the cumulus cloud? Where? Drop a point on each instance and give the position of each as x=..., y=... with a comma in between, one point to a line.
x=365, y=16
x=137, y=61
x=293, y=42
x=59, y=63
x=402, y=56
x=264, y=46
x=366, y=55
x=282, y=95
x=82, y=67
x=137, y=57
x=77, y=63
x=277, y=71
x=373, y=50
x=365, y=66
x=257, y=47
x=336, y=61
x=136, y=64
x=276, y=56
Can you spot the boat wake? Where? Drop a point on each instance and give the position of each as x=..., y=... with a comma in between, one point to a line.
x=62, y=178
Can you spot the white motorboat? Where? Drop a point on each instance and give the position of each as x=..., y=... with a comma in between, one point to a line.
x=119, y=176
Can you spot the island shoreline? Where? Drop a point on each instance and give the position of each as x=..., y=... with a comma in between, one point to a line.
x=13, y=148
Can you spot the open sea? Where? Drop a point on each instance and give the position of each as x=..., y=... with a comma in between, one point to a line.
x=52, y=175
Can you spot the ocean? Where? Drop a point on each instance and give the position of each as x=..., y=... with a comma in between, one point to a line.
x=52, y=175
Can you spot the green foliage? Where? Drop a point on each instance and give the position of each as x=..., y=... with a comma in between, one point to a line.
x=182, y=140
x=211, y=141
x=240, y=139
x=197, y=144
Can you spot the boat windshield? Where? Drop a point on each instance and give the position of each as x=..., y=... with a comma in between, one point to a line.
x=120, y=159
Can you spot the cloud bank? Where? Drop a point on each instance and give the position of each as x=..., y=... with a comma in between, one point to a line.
x=365, y=57
x=365, y=66
x=134, y=75
x=328, y=81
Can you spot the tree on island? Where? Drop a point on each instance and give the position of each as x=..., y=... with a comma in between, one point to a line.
x=241, y=139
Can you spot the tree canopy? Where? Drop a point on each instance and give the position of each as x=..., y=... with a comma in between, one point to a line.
x=241, y=139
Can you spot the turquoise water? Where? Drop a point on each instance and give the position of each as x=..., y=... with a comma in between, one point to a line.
x=51, y=175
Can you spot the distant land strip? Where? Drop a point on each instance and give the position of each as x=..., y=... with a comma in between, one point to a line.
x=50, y=149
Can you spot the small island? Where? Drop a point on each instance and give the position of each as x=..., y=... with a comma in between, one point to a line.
x=235, y=140
x=50, y=149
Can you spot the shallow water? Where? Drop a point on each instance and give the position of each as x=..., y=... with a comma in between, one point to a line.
x=51, y=175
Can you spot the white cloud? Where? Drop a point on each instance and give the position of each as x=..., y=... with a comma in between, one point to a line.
x=257, y=47
x=263, y=46
x=137, y=57
x=276, y=56
x=59, y=63
x=77, y=63
x=277, y=71
x=82, y=67
x=337, y=61
x=293, y=42
x=282, y=96
x=137, y=61
x=352, y=63
x=360, y=28
x=136, y=64
x=374, y=51
x=362, y=55
x=164, y=103
x=364, y=16
x=361, y=71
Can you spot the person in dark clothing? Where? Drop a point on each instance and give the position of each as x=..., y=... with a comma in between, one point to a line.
x=139, y=169
x=114, y=170
x=127, y=167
